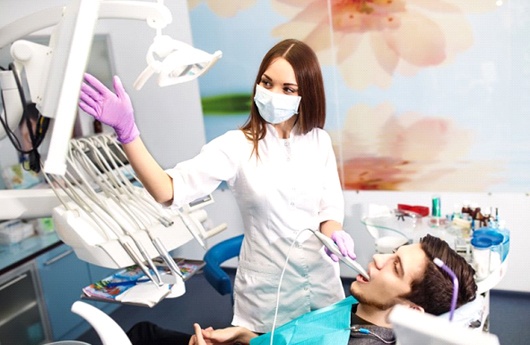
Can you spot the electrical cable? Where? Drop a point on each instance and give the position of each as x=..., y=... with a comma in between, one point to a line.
x=5, y=123
x=368, y=332
x=280, y=285
x=36, y=136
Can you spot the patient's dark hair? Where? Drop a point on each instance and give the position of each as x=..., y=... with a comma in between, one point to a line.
x=434, y=292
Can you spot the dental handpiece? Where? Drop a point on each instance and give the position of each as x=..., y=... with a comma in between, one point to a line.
x=332, y=246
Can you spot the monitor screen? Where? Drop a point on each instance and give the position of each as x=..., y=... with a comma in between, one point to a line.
x=70, y=43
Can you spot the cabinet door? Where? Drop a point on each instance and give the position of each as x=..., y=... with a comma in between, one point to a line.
x=97, y=272
x=22, y=319
x=62, y=277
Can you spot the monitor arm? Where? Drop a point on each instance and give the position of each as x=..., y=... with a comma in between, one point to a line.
x=156, y=15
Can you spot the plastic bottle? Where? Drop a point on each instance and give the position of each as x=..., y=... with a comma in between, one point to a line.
x=506, y=242
x=481, y=249
x=436, y=219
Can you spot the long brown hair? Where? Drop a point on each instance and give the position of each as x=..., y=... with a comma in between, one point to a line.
x=312, y=112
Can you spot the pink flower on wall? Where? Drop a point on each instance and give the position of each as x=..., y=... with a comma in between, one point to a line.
x=223, y=8
x=379, y=150
x=375, y=38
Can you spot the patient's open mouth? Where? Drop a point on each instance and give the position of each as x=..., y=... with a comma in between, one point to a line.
x=360, y=278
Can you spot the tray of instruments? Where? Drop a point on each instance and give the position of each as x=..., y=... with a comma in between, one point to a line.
x=131, y=285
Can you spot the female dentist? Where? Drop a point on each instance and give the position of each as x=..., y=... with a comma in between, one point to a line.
x=281, y=168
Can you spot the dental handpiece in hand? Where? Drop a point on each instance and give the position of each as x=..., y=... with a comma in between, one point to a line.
x=332, y=246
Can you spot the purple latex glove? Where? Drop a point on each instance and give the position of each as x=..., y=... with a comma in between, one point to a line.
x=345, y=244
x=112, y=109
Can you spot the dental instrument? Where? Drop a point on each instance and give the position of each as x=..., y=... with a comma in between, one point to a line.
x=96, y=212
x=332, y=246
x=111, y=222
x=191, y=223
x=111, y=185
x=103, y=204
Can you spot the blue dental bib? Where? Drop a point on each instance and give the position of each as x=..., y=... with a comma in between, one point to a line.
x=326, y=326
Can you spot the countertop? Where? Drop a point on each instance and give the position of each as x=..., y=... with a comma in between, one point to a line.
x=16, y=254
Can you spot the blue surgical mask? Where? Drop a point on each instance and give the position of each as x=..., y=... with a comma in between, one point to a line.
x=275, y=107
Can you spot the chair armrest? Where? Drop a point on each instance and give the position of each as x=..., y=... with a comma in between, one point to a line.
x=214, y=257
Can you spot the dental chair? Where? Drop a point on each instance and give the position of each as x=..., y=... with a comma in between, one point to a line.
x=109, y=332
x=413, y=327
x=107, y=329
x=214, y=257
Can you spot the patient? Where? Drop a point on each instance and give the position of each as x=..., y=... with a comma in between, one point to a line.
x=408, y=277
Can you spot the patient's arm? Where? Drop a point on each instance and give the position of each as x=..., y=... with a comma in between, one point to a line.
x=225, y=336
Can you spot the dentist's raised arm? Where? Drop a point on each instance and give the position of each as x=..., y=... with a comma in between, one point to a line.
x=116, y=111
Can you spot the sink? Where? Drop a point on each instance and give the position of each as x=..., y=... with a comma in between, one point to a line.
x=395, y=229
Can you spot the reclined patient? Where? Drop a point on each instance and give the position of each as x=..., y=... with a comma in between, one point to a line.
x=408, y=277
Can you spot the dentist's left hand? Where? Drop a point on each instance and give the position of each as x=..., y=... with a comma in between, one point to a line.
x=112, y=109
x=345, y=244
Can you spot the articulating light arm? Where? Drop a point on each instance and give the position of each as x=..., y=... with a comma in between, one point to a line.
x=156, y=15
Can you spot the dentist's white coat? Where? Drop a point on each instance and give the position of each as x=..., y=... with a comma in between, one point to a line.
x=293, y=186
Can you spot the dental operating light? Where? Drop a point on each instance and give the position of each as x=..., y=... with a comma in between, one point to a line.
x=175, y=62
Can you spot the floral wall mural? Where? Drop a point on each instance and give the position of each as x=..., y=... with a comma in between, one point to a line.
x=371, y=40
x=423, y=95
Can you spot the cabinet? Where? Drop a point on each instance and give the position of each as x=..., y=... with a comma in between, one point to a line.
x=37, y=294
x=22, y=316
x=62, y=276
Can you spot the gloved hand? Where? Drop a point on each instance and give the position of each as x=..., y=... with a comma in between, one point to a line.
x=112, y=109
x=345, y=244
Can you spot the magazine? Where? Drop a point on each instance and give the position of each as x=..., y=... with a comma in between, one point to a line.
x=131, y=286
x=189, y=267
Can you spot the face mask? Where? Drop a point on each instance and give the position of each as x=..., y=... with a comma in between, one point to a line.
x=275, y=107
